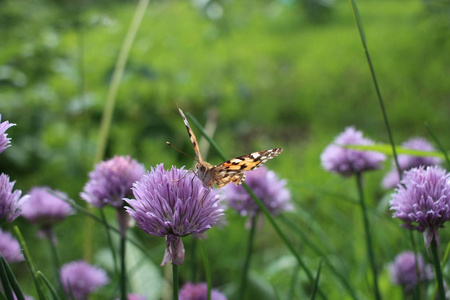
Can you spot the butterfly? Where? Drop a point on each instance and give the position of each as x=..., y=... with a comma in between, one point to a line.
x=230, y=170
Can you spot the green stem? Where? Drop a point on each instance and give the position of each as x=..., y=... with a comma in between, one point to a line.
x=437, y=269
x=175, y=281
x=293, y=282
x=30, y=263
x=439, y=144
x=55, y=257
x=416, y=261
x=49, y=285
x=375, y=82
x=12, y=280
x=119, y=68
x=109, y=239
x=248, y=256
x=7, y=290
x=194, y=259
x=207, y=270
x=123, y=270
x=316, y=282
x=368, y=236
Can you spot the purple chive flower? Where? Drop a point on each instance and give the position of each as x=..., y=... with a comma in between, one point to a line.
x=407, y=162
x=10, y=248
x=81, y=279
x=45, y=207
x=4, y=140
x=198, y=291
x=10, y=202
x=266, y=186
x=347, y=162
x=403, y=270
x=173, y=204
x=111, y=181
x=422, y=199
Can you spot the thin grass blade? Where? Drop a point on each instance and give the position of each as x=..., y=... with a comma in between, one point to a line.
x=4, y=279
x=48, y=284
x=316, y=282
x=375, y=83
x=207, y=269
x=12, y=279
x=439, y=144
x=30, y=264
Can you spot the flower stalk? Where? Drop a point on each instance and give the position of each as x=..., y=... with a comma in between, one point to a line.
x=175, y=281
x=369, y=245
x=437, y=269
x=248, y=256
x=123, y=270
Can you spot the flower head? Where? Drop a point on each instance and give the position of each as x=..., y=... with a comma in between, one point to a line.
x=173, y=204
x=111, y=181
x=422, y=201
x=403, y=270
x=407, y=162
x=347, y=162
x=198, y=291
x=81, y=279
x=10, y=202
x=4, y=140
x=267, y=187
x=10, y=248
x=45, y=207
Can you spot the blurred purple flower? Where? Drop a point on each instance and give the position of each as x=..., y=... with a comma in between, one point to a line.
x=10, y=202
x=198, y=291
x=267, y=187
x=422, y=199
x=403, y=270
x=348, y=161
x=173, y=204
x=45, y=207
x=4, y=140
x=81, y=279
x=407, y=162
x=10, y=248
x=111, y=181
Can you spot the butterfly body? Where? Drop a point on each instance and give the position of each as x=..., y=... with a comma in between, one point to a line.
x=231, y=170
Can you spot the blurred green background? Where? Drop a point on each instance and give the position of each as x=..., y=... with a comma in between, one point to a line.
x=286, y=73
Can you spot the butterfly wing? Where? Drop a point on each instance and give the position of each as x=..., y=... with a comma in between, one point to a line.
x=250, y=161
x=232, y=170
x=194, y=142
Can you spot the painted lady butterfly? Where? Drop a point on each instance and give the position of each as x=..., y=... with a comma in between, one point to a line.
x=231, y=170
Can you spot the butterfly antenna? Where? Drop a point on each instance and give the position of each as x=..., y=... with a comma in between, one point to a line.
x=170, y=144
